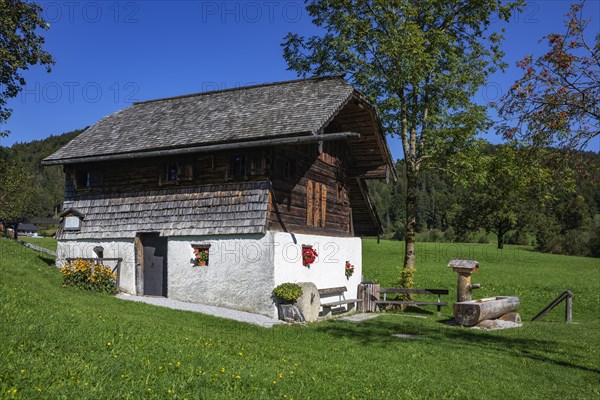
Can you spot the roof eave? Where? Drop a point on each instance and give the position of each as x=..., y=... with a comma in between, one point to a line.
x=299, y=138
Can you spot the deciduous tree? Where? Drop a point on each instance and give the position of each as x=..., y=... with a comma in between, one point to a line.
x=556, y=101
x=20, y=48
x=419, y=61
x=504, y=189
x=15, y=193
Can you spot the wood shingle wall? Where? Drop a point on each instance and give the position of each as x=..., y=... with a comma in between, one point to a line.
x=229, y=208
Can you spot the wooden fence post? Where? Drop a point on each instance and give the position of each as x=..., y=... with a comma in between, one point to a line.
x=370, y=294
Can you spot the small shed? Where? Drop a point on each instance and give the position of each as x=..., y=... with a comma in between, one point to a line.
x=25, y=229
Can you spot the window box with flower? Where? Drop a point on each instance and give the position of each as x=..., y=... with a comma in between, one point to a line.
x=201, y=255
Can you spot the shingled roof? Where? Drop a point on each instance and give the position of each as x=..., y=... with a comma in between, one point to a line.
x=284, y=109
x=239, y=208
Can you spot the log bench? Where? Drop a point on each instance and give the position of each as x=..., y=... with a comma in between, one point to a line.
x=439, y=292
x=336, y=291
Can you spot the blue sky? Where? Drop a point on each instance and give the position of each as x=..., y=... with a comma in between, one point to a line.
x=112, y=53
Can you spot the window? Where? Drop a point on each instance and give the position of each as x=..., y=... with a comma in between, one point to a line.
x=201, y=254
x=99, y=250
x=71, y=220
x=316, y=204
x=237, y=166
x=88, y=178
x=72, y=223
x=257, y=164
x=174, y=172
x=171, y=173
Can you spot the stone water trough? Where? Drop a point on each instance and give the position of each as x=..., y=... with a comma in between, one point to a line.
x=471, y=313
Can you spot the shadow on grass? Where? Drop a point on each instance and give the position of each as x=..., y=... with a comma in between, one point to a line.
x=378, y=332
x=51, y=262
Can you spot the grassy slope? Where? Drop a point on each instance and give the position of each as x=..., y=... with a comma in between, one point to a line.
x=45, y=242
x=63, y=343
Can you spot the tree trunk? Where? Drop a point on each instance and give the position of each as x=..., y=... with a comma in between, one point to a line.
x=411, y=222
x=501, y=239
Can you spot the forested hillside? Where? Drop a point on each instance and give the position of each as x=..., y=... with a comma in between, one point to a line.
x=568, y=220
x=44, y=184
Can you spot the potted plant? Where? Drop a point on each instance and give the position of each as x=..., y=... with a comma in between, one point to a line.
x=309, y=255
x=288, y=293
x=201, y=257
x=349, y=270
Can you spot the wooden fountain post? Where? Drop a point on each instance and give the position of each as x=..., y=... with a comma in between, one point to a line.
x=464, y=269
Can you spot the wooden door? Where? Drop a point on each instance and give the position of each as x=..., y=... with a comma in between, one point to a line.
x=154, y=264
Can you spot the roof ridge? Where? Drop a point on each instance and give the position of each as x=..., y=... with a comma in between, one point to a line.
x=313, y=78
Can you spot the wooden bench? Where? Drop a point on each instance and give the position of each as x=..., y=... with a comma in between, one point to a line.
x=336, y=291
x=439, y=303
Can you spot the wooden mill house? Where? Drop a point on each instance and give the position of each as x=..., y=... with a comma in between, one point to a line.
x=250, y=174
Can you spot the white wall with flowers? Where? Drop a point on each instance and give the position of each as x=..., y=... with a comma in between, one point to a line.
x=241, y=271
x=328, y=270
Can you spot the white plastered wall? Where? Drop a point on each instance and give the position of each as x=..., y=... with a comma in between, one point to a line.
x=243, y=270
x=239, y=274
x=329, y=268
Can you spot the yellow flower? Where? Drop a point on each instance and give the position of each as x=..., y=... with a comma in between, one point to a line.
x=237, y=377
x=222, y=369
x=178, y=364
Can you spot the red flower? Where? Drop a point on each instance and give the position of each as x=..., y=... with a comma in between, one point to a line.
x=309, y=255
x=349, y=270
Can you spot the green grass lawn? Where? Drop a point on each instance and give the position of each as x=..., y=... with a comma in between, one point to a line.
x=45, y=242
x=64, y=343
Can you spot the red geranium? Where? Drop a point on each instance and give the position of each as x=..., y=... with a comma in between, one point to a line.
x=309, y=255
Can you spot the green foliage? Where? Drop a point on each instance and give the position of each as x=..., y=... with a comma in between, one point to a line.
x=407, y=278
x=20, y=48
x=288, y=292
x=86, y=275
x=546, y=212
x=435, y=208
x=15, y=193
x=581, y=241
x=65, y=343
x=503, y=189
x=43, y=190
